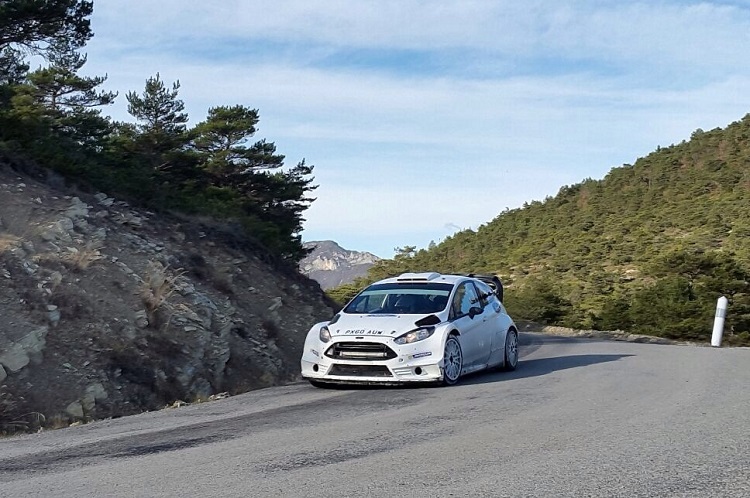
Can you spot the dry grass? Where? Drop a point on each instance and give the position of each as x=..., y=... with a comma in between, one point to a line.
x=203, y=399
x=76, y=259
x=11, y=421
x=158, y=285
x=8, y=242
x=57, y=422
x=79, y=259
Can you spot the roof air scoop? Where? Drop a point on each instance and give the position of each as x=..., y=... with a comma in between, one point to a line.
x=417, y=277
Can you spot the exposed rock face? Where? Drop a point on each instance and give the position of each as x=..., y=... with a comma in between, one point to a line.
x=107, y=310
x=331, y=265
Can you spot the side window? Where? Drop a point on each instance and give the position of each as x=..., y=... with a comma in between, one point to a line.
x=464, y=298
x=485, y=293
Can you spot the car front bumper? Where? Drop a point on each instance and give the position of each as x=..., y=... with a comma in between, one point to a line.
x=342, y=362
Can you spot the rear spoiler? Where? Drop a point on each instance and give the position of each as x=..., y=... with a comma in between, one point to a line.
x=493, y=281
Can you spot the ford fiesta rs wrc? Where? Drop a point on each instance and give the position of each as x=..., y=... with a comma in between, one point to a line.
x=417, y=327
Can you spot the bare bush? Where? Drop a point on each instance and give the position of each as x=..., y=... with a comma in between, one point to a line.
x=11, y=420
x=272, y=330
x=72, y=303
x=198, y=266
x=159, y=284
x=223, y=282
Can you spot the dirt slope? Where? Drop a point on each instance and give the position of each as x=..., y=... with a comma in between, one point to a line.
x=106, y=310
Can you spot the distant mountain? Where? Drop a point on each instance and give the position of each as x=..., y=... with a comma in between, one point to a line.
x=331, y=265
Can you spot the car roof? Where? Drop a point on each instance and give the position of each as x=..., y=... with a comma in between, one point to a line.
x=423, y=278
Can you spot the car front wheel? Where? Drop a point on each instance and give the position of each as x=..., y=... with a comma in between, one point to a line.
x=453, y=361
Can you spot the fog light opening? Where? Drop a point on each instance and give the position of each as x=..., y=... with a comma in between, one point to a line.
x=418, y=370
x=315, y=367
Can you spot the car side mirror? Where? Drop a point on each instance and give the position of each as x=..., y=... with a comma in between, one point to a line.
x=474, y=311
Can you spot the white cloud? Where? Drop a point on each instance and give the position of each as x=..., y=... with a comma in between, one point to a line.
x=658, y=32
x=537, y=94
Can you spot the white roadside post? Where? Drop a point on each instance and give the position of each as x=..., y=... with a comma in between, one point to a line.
x=721, y=313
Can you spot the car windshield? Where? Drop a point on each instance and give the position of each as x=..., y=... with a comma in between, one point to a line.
x=401, y=298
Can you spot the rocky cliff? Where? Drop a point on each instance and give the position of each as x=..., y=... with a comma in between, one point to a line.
x=331, y=265
x=106, y=310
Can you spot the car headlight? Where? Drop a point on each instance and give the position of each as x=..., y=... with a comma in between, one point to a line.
x=415, y=335
x=325, y=334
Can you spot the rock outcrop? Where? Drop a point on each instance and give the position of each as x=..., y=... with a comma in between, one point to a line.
x=331, y=265
x=107, y=310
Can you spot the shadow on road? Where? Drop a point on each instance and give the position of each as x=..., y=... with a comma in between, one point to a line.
x=526, y=369
x=542, y=366
x=529, y=343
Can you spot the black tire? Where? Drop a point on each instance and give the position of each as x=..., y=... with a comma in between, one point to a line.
x=510, y=358
x=318, y=384
x=453, y=361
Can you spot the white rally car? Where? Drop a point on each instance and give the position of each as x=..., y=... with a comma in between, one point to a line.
x=417, y=327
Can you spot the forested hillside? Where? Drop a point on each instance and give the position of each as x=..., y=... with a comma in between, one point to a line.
x=647, y=249
x=51, y=119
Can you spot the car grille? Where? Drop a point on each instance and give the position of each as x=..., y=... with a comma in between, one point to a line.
x=360, y=370
x=360, y=351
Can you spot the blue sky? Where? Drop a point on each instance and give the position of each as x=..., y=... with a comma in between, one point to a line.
x=422, y=117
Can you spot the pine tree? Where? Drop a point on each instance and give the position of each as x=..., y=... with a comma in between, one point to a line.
x=13, y=68
x=35, y=25
x=162, y=127
x=270, y=201
x=220, y=142
x=61, y=99
x=60, y=89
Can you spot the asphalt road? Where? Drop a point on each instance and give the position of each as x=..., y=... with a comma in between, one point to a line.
x=578, y=418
